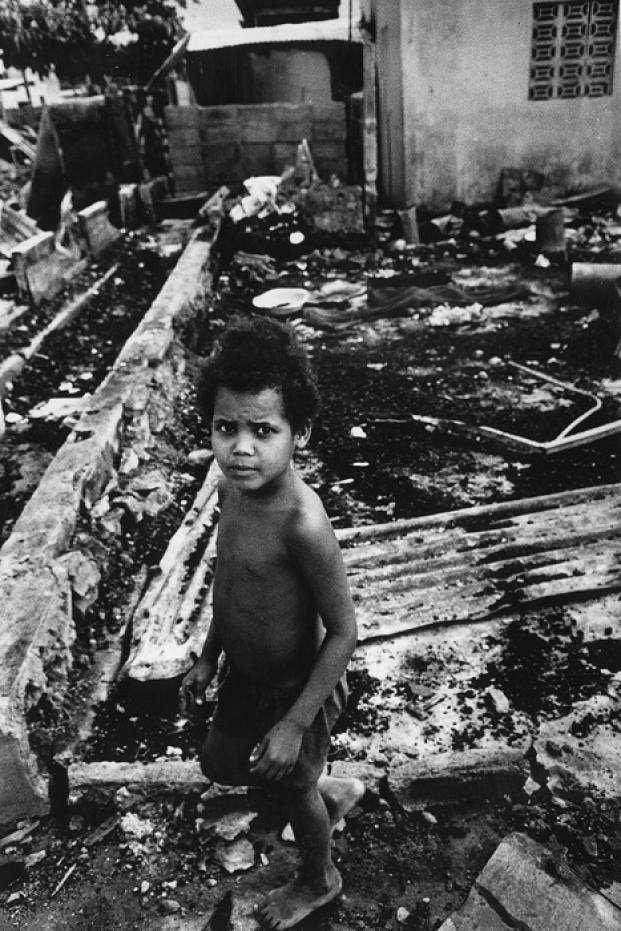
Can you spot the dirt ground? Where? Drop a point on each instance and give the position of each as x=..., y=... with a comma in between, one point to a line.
x=133, y=862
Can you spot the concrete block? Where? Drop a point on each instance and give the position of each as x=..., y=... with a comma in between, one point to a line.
x=186, y=156
x=175, y=117
x=149, y=194
x=212, y=133
x=257, y=159
x=96, y=228
x=285, y=153
x=189, y=178
x=333, y=111
x=332, y=150
x=448, y=778
x=327, y=131
x=212, y=117
x=38, y=269
x=258, y=130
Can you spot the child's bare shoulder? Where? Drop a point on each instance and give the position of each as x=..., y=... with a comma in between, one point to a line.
x=308, y=516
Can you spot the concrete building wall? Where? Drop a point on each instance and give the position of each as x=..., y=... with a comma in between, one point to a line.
x=464, y=69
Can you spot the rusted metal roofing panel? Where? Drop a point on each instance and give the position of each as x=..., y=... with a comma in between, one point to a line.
x=477, y=563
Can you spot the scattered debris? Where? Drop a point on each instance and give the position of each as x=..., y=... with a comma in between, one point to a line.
x=235, y=857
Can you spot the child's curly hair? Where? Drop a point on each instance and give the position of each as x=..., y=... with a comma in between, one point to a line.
x=256, y=353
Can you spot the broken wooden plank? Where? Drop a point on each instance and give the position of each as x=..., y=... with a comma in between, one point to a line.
x=531, y=888
x=164, y=631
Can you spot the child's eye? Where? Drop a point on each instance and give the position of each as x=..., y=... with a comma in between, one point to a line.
x=224, y=427
x=263, y=429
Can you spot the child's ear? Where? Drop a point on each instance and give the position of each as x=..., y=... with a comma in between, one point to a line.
x=302, y=436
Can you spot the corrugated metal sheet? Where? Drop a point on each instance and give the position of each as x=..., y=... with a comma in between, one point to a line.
x=482, y=562
x=330, y=30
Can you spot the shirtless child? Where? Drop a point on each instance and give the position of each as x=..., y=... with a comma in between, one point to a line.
x=282, y=609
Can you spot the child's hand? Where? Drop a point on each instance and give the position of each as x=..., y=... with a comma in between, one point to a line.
x=276, y=755
x=193, y=685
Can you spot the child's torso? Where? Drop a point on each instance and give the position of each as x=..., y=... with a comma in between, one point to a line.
x=263, y=608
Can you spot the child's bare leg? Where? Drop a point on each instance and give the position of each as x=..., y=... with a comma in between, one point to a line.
x=340, y=795
x=319, y=880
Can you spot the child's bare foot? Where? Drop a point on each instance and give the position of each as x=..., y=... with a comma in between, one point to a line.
x=340, y=796
x=291, y=903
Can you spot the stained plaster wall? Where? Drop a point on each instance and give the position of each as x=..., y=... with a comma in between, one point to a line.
x=464, y=70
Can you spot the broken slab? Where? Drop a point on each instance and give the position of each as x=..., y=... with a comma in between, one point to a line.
x=583, y=748
x=523, y=885
x=36, y=592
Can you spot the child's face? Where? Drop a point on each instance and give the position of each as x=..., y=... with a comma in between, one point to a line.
x=252, y=440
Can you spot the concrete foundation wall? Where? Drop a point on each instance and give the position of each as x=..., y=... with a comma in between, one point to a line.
x=210, y=146
x=464, y=69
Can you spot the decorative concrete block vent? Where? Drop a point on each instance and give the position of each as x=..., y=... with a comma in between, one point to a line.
x=96, y=227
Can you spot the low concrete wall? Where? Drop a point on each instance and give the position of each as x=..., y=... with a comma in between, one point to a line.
x=210, y=146
x=41, y=577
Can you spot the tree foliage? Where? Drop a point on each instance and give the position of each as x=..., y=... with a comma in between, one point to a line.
x=42, y=33
x=108, y=39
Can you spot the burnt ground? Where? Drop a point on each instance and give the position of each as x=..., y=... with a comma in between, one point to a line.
x=371, y=462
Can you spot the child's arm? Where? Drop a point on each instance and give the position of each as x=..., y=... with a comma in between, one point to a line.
x=194, y=683
x=316, y=550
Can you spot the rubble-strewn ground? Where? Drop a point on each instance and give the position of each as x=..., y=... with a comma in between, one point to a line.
x=129, y=861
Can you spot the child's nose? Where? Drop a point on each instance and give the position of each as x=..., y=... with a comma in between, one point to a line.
x=243, y=443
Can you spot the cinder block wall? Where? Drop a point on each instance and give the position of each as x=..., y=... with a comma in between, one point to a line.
x=210, y=146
